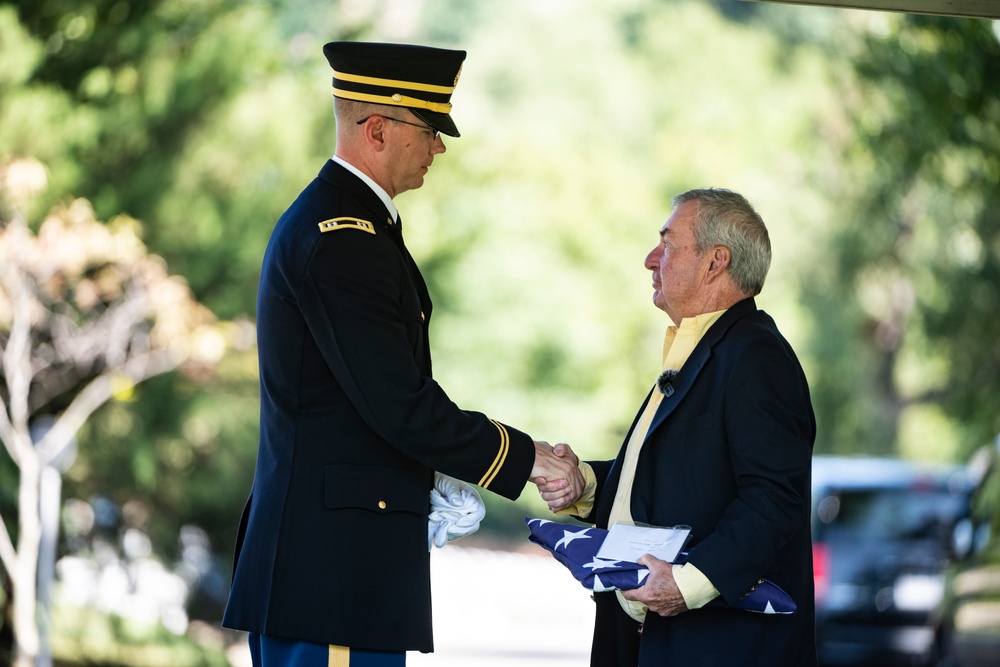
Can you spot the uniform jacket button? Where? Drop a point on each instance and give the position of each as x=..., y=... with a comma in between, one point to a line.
x=381, y=505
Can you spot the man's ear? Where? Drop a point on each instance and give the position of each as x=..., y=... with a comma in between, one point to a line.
x=373, y=133
x=720, y=262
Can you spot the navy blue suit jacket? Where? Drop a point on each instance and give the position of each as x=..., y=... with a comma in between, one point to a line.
x=332, y=545
x=729, y=454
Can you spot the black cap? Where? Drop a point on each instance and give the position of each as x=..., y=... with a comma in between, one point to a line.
x=419, y=78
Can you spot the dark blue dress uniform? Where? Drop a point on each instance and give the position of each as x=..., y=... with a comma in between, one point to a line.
x=332, y=545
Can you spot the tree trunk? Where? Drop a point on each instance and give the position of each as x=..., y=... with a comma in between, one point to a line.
x=23, y=580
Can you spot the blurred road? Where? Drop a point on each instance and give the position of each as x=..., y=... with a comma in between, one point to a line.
x=497, y=608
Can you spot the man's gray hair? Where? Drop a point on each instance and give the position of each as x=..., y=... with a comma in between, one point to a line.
x=726, y=218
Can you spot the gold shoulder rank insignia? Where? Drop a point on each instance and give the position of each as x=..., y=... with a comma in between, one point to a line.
x=333, y=224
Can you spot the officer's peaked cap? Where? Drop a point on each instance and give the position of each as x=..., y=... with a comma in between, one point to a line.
x=419, y=78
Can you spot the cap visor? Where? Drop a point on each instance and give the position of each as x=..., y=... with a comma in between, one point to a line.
x=441, y=122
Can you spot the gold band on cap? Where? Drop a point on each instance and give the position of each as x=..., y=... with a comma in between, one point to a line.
x=394, y=83
x=396, y=100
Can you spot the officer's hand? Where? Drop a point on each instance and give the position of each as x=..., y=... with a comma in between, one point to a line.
x=557, y=474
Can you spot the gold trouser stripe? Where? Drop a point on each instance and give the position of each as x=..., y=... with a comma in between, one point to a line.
x=501, y=456
x=403, y=101
x=394, y=83
x=340, y=656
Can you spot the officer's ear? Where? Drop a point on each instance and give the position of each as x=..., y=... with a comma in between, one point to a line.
x=373, y=132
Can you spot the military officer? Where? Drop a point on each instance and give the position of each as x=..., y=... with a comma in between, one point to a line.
x=331, y=564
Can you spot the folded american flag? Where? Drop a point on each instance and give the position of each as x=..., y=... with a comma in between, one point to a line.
x=576, y=547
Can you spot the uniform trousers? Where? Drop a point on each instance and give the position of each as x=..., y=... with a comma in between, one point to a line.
x=268, y=651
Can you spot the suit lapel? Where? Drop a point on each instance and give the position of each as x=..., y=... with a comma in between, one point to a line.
x=699, y=357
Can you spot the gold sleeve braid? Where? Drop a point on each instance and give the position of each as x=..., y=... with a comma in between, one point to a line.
x=498, y=462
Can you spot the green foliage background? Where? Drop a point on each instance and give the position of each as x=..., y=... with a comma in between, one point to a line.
x=868, y=141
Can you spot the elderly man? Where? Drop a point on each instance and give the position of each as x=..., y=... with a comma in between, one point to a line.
x=723, y=444
x=332, y=564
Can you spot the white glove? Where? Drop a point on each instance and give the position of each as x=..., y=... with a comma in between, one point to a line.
x=456, y=510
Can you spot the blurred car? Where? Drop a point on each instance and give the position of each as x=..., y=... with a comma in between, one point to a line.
x=882, y=536
x=968, y=620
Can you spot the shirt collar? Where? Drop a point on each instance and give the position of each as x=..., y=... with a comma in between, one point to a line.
x=686, y=335
x=376, y=188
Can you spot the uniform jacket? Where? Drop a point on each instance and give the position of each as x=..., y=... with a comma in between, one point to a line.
x=332, y=544
x=729, y=454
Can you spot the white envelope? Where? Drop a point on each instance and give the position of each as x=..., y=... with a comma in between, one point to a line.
x=628, y=543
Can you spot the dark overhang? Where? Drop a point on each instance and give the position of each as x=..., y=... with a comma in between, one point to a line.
x=967, y=8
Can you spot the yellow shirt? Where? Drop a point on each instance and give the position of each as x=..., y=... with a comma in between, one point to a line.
x=678, y=344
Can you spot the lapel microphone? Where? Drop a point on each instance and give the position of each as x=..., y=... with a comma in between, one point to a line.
x=665, y=382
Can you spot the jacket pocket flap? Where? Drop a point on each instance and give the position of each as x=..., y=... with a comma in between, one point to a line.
x=375, y=488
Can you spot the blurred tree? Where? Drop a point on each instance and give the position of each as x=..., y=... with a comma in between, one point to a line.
x=144, y=108
x=85, y=315
x=176, y=113
x=907, y=302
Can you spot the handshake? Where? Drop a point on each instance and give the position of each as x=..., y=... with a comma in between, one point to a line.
x=557, y=475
